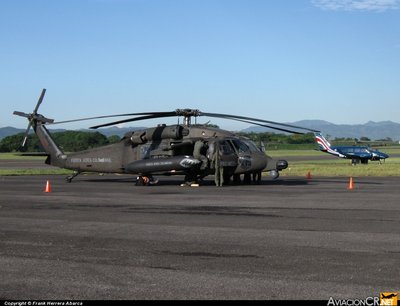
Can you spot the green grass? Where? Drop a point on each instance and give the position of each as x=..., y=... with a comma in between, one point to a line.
x=343, y=167
x=18, y=156
x=50, y=171
x=302, y=153
x=315, y=152
x=338, y=166
x=28, y=171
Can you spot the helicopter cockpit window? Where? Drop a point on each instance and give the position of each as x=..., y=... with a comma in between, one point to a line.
x=252, y=146
x=226, y=148
x=240, y=146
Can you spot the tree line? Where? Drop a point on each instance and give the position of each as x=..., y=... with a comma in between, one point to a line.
x=69, y=141
x=268, y=137
x=73, y=141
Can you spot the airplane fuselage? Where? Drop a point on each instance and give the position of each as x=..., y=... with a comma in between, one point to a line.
x=355, y=153
x=362, y=153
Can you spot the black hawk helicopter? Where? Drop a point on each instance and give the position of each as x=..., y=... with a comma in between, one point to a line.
x=192, y=150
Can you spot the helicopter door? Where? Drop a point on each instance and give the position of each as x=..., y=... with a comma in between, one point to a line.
x=244, y=155
x=228, y=154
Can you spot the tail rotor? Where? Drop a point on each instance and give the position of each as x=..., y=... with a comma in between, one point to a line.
x=33, y=118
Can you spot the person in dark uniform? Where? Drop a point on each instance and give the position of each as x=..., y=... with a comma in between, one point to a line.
x=199, y=152
x=257, y=177
x=216, y=163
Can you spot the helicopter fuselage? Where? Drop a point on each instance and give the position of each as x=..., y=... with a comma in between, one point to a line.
x=169, y=150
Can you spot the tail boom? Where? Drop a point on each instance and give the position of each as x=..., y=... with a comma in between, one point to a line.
x=56, y=155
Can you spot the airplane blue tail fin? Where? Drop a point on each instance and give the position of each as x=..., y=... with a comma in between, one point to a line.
x=323, y=144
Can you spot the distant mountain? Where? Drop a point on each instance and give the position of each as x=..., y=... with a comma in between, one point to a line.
x=8, y=130
x=116, y=130
x=372, y=130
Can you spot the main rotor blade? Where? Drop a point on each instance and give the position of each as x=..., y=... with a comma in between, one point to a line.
x=40, y=100
x=153, y=116
x=26, y=134
x=189, y=112
x=113, y=116
x=269, y=126
x=226, y=116
x=22, y=114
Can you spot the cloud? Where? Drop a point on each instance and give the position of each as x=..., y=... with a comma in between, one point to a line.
x=357, y=5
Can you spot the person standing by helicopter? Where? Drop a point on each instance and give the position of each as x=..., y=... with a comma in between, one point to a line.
x=199, y=152
x=215, y=153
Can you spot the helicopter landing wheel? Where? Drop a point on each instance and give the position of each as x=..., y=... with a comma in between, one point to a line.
x=142, y=181
x=69, y=178
x=139, y=181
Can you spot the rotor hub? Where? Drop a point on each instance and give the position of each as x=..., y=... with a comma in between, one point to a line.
x=187, y=114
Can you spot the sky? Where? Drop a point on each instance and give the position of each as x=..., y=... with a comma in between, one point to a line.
x=279, y=60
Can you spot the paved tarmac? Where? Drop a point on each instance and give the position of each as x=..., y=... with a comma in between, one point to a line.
x=101, y=237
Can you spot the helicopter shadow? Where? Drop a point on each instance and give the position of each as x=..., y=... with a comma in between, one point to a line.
x=179, y=181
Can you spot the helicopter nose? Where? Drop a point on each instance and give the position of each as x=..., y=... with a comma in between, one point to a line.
x=259, y=161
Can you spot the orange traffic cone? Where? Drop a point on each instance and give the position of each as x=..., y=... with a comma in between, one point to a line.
x=48, y=187
x=309, y=175
x=351, y=184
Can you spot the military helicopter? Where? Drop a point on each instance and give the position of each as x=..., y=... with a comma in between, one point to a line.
x=189, y=149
